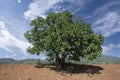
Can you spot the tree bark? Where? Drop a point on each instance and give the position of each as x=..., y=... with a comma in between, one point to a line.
x=62, y=64
x=57, y=60
x=62, y=61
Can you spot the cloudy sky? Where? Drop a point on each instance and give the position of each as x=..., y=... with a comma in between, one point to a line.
x=16, y=15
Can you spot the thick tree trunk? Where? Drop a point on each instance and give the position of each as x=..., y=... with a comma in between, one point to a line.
x=57, y=60
x=62, y=64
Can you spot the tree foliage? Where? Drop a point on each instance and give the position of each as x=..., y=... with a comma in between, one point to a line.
x=63, y=36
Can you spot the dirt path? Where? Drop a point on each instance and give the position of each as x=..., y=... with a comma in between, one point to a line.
x=30, y=72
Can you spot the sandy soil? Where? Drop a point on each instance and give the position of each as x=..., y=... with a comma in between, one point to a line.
x=49, y=72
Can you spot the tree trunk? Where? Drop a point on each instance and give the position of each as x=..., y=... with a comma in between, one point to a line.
x=62, y=61
x=57, y=60
x=62, y=64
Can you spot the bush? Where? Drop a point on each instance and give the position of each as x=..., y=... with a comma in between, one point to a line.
x=38, y=63
x=107, y=62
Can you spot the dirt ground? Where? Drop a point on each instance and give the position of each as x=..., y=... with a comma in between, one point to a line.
x=81, y=72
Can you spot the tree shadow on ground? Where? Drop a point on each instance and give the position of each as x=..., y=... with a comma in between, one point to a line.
x=75, y=68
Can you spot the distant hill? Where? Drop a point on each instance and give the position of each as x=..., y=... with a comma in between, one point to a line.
x=25, y=61
x=13, y=61
x=102, y=60
x=107, y=60
x=7, y=61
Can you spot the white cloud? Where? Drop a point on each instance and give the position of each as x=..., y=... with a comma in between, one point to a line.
x=118, y=46
x=41, y=7
x=19, y=1
x=11, y=43
x=110, y=48
x=107, y=49
x=7, y=56
x=102, y=9
x=108, y=25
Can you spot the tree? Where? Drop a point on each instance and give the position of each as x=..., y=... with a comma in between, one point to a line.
x=63, y=36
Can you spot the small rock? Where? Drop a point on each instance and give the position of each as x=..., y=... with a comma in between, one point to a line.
x=29, y=78
x=68, y=74
x=89, y=74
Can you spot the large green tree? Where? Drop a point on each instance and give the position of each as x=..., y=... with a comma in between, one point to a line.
x=63, y=36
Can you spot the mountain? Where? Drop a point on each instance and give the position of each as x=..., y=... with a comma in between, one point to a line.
x=25, y=61
x=7, y=61
x=102, y=60
x=107, y=59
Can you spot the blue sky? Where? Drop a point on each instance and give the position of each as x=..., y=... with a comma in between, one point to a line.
x=16, y=15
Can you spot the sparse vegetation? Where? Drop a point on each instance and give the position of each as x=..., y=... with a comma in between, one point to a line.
x=107, y=62
x=38, y=63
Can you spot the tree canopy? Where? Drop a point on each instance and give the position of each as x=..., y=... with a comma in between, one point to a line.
x=63, y=36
